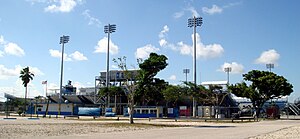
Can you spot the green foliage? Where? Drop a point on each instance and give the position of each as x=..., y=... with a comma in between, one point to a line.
x=243, y=90
x=151, y=66
x=172, y=94
x=20, y=111
x=210, y=96
x=26, y=76
x=15, y=102
x=269, y=84
x=264, y=86
x=113, y=90
x=150, y=88
x=103, y=91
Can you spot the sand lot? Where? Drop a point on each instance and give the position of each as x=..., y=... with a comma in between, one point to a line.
x=53, y=128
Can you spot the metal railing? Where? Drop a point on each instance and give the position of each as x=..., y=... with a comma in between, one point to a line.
x=294, y=108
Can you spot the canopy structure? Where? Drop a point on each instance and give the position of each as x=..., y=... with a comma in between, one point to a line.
x=77, y=99
x=214, y=83
x=9, y=96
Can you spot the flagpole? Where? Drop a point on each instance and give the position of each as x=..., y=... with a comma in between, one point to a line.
x=46, y=83
x=46, y=88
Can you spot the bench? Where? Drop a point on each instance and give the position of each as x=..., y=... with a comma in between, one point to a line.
x=71, y=116
x=243, y=118
x=237, y=116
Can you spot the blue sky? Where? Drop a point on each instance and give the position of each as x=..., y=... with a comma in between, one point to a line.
x=242, y=34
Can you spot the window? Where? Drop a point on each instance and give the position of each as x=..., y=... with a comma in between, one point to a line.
x=145, y=111
x=153, y=111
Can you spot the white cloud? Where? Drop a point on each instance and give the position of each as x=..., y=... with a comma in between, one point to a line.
x=92, y=20
x=10, y=48
x=266, y=57
x=236, y=68
x=185, y=49
x=61, y=6
x=57, y=54
x=2, y=40
x=172, y=77
x=213, y=10
x=162, y=36
x=202, y=50
x=36, y=71
x=53, y=86
x=145, y=51
x=178, y=14
x=190, y=9
x=193, y=11
x=162, y=39
x=1, y=53
x=13, y=49
x=78, y=56
x=102, y=47
x=114, y=66
x=164, y=32
x=36, y=1
x=78, y=85
x=18, y=89
x=232, y=4
x=209, y=51
x=6, y=73
x=163, y=42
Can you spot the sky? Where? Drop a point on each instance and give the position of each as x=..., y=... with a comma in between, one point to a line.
x=241, y=34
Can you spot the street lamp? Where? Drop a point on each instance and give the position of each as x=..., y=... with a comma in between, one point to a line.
x=108, y=29
x=227, y=70
x=63, y=40
x=194, y=22
x=270, y=66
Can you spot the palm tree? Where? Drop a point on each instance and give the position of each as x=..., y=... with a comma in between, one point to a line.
x=26, y=76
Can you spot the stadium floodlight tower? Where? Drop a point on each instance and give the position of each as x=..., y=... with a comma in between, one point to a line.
x=64, y=39
x=108, y=29
x=186, y=72
x=194, y=22
x=270, y=66
x=227, y=70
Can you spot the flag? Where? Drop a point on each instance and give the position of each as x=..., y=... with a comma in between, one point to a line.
x=44, y=82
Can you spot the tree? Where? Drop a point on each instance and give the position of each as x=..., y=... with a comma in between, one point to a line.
x=172, y=94
x=150, y=88
x=130, y=86
x=111, y=91
x=26, y=76
x=265, y=86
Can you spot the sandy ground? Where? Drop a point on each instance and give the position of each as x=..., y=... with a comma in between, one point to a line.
x=69, y=129
x=285, y=133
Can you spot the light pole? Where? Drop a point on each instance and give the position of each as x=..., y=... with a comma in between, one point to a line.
x=63, y=40
x=186, y=72
x=270, y=66
x=108, y=29
x=227, y=70
x=194, y=22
